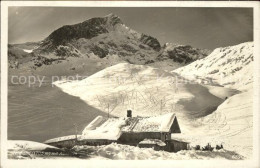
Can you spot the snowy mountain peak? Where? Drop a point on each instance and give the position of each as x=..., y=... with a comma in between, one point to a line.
x=112, y=15
x=88, y=29
x=113, y=19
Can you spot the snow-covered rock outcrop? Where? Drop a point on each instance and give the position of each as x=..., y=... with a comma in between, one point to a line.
x=182, y=54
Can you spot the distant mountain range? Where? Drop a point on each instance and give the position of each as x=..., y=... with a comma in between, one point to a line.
x=101, y=37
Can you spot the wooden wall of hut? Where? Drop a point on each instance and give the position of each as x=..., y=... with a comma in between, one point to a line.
x=64, y=144
x=133, y=138
x=175, y=128
x=95, y=142
x=91, y=142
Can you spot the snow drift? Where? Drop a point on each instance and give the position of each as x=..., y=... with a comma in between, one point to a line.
x=21, y=149
x=116, y=152
x=125, y=152
x=28, y=145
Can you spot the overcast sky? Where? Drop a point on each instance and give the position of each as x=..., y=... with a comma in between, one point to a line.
x=200, y=27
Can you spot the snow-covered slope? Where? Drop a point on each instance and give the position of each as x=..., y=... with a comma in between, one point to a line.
x=145, y=90
x=231, y=67
x=231, y=125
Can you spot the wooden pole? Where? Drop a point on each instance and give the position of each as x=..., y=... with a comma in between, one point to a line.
x=108, y=110
x=76, y=132
x=161, y=108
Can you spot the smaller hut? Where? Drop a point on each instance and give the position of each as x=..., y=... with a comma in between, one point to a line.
x=175, y=145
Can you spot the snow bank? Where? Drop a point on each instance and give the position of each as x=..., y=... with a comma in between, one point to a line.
x=21, y=149
x=117, y=152
x=27, y=145
x=124, y=152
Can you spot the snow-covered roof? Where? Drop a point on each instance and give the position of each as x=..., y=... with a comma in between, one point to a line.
x=112, y=128
x=153, y=142
x=161, y=123
x=94, y=124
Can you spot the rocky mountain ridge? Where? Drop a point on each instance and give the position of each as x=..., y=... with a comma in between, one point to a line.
x=104, y=37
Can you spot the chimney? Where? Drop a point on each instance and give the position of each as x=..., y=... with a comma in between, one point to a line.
x=129, y=113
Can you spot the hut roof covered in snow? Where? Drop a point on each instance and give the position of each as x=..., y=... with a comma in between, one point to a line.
x=112, y=128
x=161, y=123
x=102, y=128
